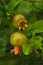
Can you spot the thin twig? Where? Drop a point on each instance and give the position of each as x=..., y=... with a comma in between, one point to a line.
x=36, y=51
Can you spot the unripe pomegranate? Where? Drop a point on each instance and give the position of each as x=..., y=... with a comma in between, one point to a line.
x=19, y=21
x=18, y=39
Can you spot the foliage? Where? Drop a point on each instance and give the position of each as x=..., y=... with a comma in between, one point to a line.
x=31, y=51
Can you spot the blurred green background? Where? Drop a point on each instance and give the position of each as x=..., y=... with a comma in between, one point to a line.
x=33, y=11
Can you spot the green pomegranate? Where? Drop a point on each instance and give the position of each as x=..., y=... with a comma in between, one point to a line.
x=18, y=39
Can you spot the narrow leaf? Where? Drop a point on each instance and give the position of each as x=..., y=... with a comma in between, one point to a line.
x=12, y=4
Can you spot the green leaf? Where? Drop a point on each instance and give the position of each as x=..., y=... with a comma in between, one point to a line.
x=12, y=4
x=37, y=27
x=27, y=49
x=33, y=18
x=39, y=5
x=36, y=42
x=1, y=16
x=2, y=44
x=2, y=52
x=24, y=7
x=3, y=41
